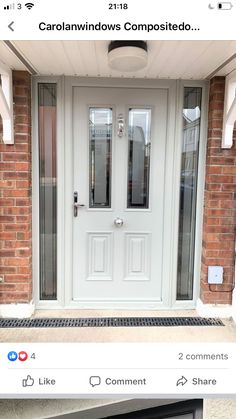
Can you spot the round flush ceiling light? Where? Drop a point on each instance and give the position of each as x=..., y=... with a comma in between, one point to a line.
x=127, y=55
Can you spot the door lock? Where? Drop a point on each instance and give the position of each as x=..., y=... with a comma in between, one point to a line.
x=76, y=204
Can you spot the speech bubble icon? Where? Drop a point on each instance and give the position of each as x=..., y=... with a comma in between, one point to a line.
x=95, y=380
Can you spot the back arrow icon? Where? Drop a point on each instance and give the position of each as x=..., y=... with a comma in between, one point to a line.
x=10, y=26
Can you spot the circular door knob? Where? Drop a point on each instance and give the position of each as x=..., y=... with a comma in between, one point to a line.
x=118, y=222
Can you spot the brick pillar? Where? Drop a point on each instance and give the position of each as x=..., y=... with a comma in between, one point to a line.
x=218, y=247
x=15, y=200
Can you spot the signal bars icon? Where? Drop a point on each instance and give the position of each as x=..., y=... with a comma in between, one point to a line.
x=9, y=7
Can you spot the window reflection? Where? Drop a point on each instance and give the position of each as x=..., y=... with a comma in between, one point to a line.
x=188, y=191
x=47, y=191
x=100, y=139
x=139, y=158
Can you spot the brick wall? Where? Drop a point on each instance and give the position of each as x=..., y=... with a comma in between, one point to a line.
x=15, y=200
x=219, y=205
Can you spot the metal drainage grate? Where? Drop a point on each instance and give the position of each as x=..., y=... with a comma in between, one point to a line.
x=111, y=322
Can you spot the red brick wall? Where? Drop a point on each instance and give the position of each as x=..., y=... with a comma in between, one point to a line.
x=219, y=205
x=15, y=200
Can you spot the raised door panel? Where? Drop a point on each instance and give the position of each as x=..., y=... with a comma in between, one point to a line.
x=137, y=257
x=99, y=256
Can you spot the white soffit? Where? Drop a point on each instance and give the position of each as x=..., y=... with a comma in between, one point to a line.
x=9, y=59
x=166, y=59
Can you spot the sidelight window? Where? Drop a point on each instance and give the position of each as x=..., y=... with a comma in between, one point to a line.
x=47, y=117
x=191, y=118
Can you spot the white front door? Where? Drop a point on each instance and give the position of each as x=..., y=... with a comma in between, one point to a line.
x=119, y=142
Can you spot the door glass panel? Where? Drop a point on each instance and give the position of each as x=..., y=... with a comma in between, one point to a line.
x=139, y=158
x=188, y=191
x=47, y=191
x=100, y=144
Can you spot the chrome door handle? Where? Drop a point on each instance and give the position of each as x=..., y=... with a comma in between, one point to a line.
x=76, y=204
x=118, y=222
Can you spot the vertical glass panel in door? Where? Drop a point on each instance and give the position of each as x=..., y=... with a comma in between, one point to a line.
x=47, y=190
x=100, y=147
x=139, y=158
x=188, y=191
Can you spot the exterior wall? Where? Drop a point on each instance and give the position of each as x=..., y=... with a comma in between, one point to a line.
x=15, y=200
x=218, y=247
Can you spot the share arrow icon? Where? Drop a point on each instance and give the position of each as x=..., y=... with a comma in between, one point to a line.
x=181, y=381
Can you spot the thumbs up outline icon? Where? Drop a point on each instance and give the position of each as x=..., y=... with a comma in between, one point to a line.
x=28, y=382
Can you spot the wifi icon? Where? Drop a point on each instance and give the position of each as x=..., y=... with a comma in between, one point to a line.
x=29, y=5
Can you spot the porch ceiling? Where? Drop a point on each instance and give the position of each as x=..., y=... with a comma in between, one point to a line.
x=166, y=59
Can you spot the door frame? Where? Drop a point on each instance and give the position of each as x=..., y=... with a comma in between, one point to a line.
x=65, y=185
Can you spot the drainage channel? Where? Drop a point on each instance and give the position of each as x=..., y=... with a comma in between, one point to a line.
x=110, y=322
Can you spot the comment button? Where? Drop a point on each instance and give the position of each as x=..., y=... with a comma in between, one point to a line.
x=95, y=380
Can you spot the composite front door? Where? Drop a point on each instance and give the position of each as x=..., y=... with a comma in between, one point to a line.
x=119, y=145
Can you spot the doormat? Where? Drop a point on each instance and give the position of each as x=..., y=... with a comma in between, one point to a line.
x=111, y=322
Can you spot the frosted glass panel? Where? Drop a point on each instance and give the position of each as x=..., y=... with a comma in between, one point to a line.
x=188, y=191
x=100, y=139
x=47, y=191
x=139, y=158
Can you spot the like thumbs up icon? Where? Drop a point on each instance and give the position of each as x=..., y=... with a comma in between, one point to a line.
x=28, y=382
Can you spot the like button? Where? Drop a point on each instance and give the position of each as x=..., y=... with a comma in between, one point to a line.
x=28, y=382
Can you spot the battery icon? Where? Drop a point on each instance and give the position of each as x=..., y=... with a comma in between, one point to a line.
x=225, y=5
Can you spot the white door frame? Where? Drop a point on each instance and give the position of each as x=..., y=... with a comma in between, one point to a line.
x=65, y=184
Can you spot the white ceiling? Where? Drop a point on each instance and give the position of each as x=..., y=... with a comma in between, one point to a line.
x=166, y=59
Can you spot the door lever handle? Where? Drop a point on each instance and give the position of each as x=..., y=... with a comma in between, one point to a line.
x=76, y=204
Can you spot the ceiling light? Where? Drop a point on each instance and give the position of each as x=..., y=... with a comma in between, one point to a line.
x=127, y=55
